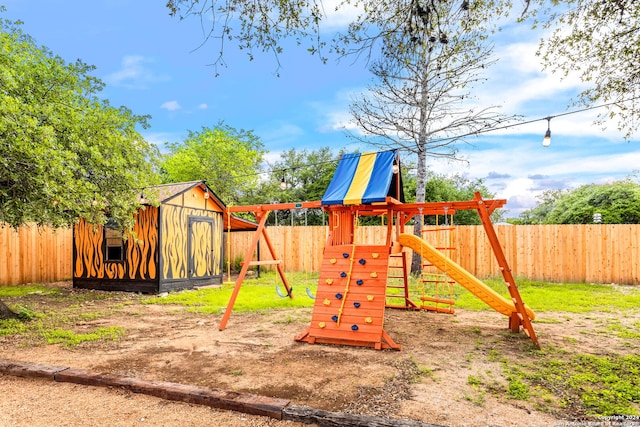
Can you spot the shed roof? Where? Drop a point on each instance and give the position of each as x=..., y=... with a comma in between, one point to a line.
x=167, y=192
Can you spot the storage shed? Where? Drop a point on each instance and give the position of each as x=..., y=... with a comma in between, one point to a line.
x=177, y=245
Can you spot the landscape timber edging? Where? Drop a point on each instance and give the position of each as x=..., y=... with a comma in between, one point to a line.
x=272, y=407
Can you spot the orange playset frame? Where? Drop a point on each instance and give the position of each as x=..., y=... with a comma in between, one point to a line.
x=351, y=296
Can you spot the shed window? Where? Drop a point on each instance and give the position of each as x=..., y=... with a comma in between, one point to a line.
x=115, y=244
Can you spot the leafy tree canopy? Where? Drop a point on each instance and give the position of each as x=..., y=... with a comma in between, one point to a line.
x=298, y=176
x=266, y=25
x=448, y=188
x=227, y=159
x=537, y=215
x=617, y=203
x=64, y=153
x=599, y=41
x=594, y=39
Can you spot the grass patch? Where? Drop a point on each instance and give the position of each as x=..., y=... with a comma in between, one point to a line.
x=626, y=333
x=12, y=327
x=70, y=338
x=23, y=290
x=254, y=295
x=581, y=385
x=560, y=297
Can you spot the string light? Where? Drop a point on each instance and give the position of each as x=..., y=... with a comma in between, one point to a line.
x=474, y=133
x=283, y=182
x=546, y=141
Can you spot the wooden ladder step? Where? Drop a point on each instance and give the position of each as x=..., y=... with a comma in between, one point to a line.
x=438, y=300
x=438, y=309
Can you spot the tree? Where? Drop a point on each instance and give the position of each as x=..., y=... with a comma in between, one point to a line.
x=64, y=153
x=298, y=176
x=227, y=159
x=546, y=202
x=456, y=187
x=617, y=203
x=600, y=42
x=267, y=24
x=597, y=39
x=420, y=100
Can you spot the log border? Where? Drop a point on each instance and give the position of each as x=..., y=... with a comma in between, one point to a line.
x=272, y=407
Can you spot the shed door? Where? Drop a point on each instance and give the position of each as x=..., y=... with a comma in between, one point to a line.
x=201, y=249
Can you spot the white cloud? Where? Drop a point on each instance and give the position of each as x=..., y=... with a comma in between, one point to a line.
x=340, y=18
x=203, y=106
x=134, y=73
x=171, y=106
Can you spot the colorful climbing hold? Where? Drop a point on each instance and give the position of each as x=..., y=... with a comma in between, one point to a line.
x=343, y=274
x=362, y=261
x=322, y=325
x=368, y=320
x=333, y=260
x=370, y=297
x=354, y=327
x=359, y=282
x=345, y=255
x=356, y=304
x=375, y=255
x=339, y=296
x=327, y=301
x=334, y=318
x=329, y=281
x=374, y=274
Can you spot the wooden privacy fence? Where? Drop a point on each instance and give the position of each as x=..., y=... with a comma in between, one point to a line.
x=593, y=253
x=34, y=254
x=598, y=253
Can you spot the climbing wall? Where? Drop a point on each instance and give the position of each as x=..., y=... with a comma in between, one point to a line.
x=350, y=300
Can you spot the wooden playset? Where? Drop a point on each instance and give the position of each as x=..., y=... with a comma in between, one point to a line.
x=355, y=284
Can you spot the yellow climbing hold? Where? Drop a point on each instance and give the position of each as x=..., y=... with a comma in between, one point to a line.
x=327, y=301
x=374, y=274
x=322, y=325
x=368, y=320
x=375, y=255
x=370, y=297
x=333, y=261
x=329, y=281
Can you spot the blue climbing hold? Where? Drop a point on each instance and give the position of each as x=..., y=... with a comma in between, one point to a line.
x=356, y=304
x=334, y=318
x=362, y=261
x=354, y=327
x=345, y=255
x=359, y=282
x=339, y=296
x=343, y=274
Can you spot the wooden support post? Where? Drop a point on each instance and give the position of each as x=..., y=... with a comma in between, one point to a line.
x=262, y=220
x=519, y=317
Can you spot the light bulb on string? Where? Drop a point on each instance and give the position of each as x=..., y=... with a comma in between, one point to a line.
x=546, y=141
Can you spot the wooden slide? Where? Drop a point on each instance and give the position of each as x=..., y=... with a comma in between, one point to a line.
x=460, y=275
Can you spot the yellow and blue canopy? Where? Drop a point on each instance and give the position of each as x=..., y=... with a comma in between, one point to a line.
x=363, y=178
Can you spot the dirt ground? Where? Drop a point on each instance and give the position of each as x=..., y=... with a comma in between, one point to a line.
x=256, y=354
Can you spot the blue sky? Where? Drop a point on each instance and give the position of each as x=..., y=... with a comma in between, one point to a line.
x=154, y=64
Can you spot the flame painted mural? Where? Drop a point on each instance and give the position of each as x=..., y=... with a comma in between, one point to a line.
x=140, y=261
